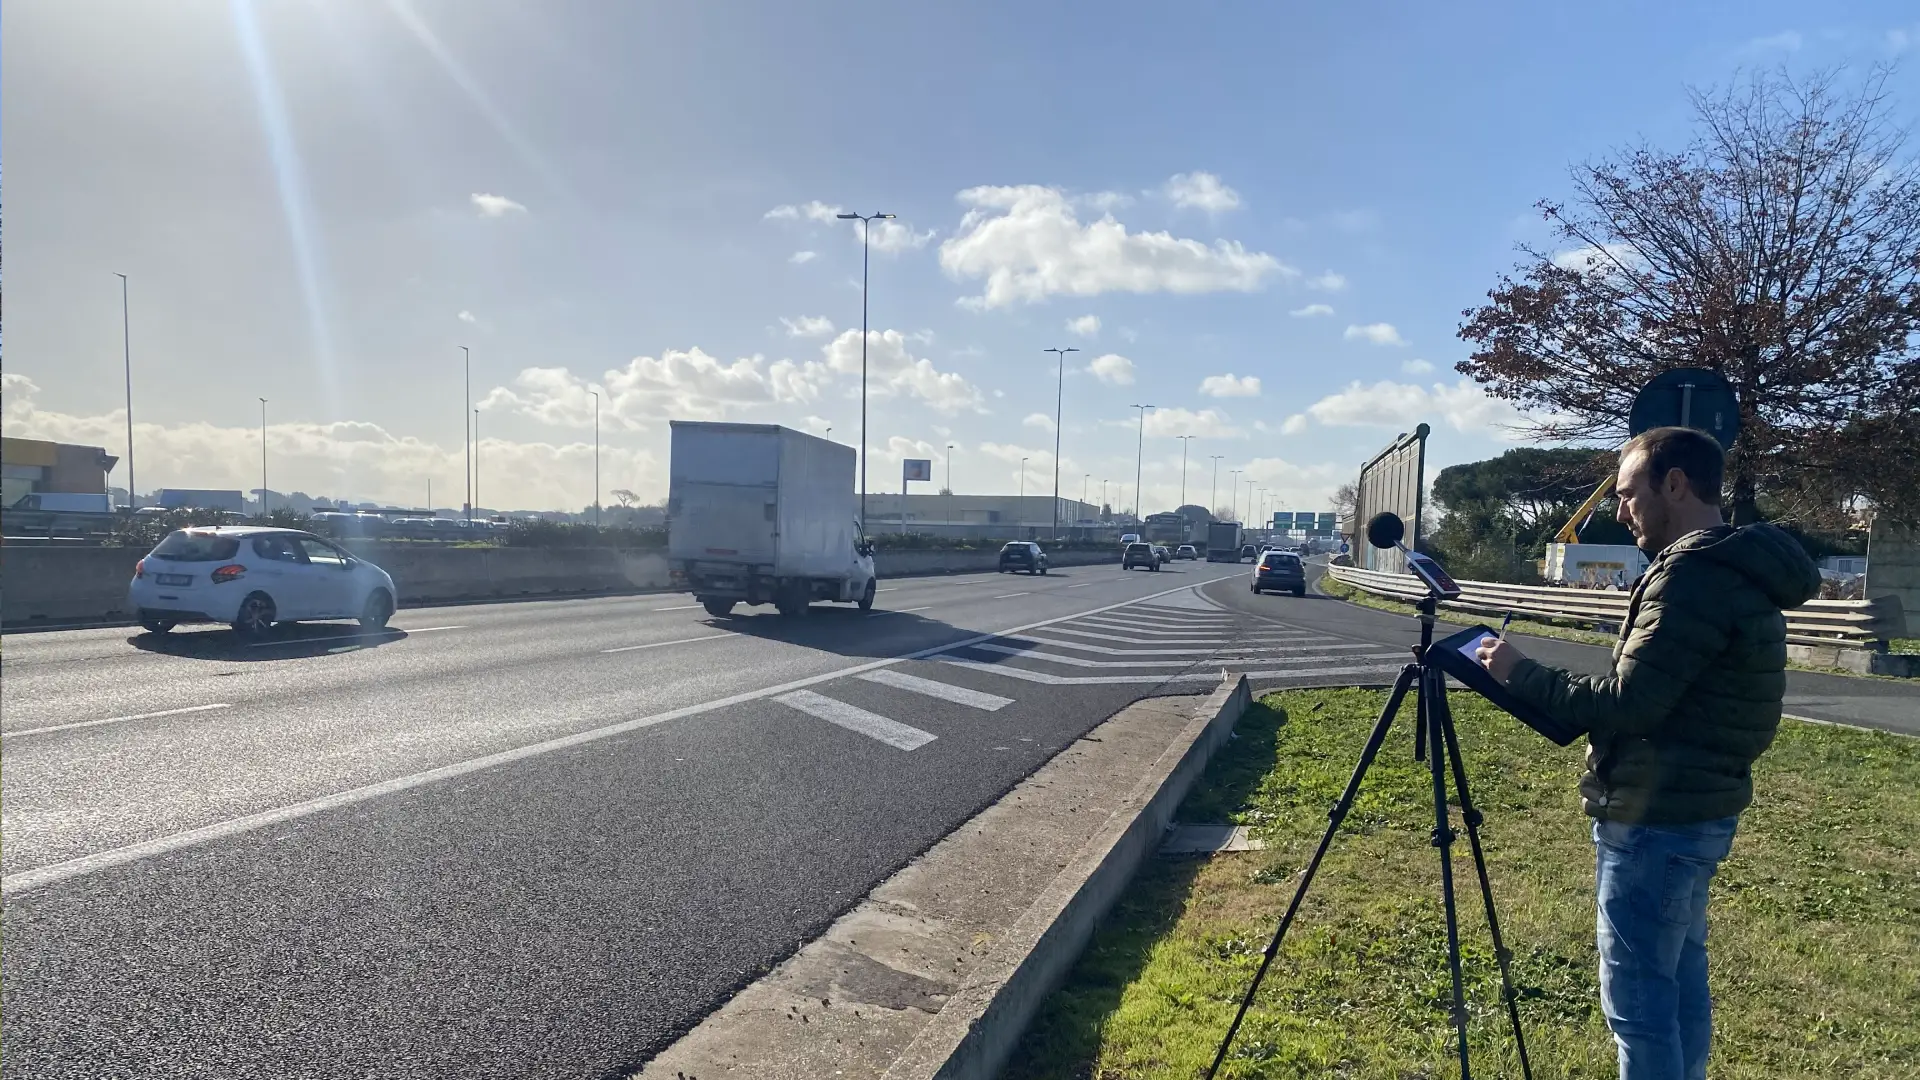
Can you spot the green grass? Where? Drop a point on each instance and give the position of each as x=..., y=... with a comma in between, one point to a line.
x=1816, y=916
x=1904, y=645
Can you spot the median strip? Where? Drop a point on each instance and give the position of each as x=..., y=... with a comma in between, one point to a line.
x=112, y=720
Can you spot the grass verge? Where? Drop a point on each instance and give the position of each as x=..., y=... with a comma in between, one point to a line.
x=1816, y=916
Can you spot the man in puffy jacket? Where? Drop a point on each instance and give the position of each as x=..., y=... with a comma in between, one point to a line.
x=1673, y=730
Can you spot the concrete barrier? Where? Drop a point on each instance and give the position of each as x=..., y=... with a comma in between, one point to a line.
x=67, y=585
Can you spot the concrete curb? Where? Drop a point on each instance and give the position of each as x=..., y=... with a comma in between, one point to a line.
x=972, y=1037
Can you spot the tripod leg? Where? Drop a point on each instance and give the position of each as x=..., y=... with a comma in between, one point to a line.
x=1430, y=707
x=1472, y=817
x=1334, y=816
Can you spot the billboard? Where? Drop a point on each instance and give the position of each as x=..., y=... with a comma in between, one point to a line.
x=916, y=469
x=1394, y=481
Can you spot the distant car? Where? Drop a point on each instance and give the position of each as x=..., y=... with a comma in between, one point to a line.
x=1160, y=552
x=1130, y=538
x=1023, y=555
x=1138, y=554
x=1186, y=551
x=1248, y=551
x=252, y=577
x=1279, y=570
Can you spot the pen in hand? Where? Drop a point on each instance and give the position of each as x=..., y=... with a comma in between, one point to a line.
x=1504, y=623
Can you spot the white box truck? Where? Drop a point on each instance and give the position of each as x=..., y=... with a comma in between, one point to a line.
x=762, y=514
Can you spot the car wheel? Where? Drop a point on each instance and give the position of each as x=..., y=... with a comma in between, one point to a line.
x=1256, y=590
x=717, y=608
x=255, y=617
x=378, y=610
x=1043, y=571
x=866, y=598
x=157, y=626
x=1299, y=590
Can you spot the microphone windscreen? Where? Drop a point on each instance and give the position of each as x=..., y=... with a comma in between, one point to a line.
x=1385, y=529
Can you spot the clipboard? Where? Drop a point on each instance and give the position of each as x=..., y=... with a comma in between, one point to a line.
x=1455, y=656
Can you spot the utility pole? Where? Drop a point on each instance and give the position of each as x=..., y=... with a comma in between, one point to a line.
x=1139, y=460
x=466, y=434
x=866, y=227
x=949, y=485
x=1184, y=441
x=1023, y=487
x=1213, y=496
x=596, y=459
x=263, y=457
x=126, y=355
x=476, y=460
x=1059, y=396
x=1233, y=494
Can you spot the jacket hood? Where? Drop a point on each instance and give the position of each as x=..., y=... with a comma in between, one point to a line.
x=1767, y=555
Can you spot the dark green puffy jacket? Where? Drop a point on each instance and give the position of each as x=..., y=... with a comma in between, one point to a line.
x=1698, y=675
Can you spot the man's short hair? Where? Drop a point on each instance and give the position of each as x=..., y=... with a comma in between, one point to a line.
x=1695, y=453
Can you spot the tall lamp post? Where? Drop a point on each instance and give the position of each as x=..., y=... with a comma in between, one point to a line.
x=1213, y=495
x=1059, y=397
x=263, y=457
x=466, y=434
x=596, y=457
x=1139, y=459
x=949, y=485
x=866, y=226
x=1103, y=493
x=1023, y=486
x=1185, y=442
x=126, y=354
x=476, y=461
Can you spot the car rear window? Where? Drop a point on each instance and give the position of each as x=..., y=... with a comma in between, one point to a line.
x=1138, y=548
x=196, y=547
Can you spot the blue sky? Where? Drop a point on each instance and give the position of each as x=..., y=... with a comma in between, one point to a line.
x=317, y=203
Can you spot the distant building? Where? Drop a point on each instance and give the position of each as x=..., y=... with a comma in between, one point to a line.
x=28, y=466
x=201, y=498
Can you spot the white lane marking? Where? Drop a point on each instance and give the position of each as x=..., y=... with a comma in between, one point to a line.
x=1220, y=639
x=678, y=607
x=1083, y=585
x=1011, y=595
x=659, y=644
x=900, y=680
x=890, y=588
x=1076, y=661
x=357, y=635
x=41, y=876
x=856, y=719
x=1113, y=680
x=111, y=720
x=1080, y=646
x=1131, y=623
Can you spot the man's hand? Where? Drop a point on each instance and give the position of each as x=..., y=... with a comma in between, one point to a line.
x=1498, y=658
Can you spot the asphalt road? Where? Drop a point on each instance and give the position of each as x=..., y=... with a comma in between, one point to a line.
x=531, y=839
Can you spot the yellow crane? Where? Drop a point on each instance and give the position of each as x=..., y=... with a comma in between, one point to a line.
x=1570, y=532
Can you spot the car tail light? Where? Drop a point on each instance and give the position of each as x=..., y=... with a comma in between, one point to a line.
x=229, y=572
x=140, y=569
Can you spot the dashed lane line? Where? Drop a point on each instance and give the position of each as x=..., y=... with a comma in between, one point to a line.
x=111, y=720
x=662, y=644
x=856, y=719
x=960, y=695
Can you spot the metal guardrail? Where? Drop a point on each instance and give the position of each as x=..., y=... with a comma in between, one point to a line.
x=1865, y=624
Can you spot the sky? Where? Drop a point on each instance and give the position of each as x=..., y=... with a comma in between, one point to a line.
x=1262, y=219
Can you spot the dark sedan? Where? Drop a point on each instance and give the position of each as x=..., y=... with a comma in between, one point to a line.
x=1021, y=555
x=1280, y=570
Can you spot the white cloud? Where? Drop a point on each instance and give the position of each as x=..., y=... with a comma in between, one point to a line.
x=1103, y=202
x=1899, y=40
x=679, y=384
x=1416, y=367
x=1027, y=245
x=898, y=371
x=808, y=326
x=1294, y=425
x=782, y=213
x=1311, y=311
x=1039, y=420
x=815, y=211
x=345, y=459
x=1229, y=385
x=1086, y=326
x=1327, y=282
x=1379, y=333
x=1205, y=424
x=1463, y=406
x=1785, y=41
x=1112, y=369
x=493, y=206
x=465, y=317
x=1605, y=259
x=1127, y=333
x=1201, y=191
x=800, y=257
x=889, y=237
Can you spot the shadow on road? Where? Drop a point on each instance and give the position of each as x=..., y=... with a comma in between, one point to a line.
x=288, y=641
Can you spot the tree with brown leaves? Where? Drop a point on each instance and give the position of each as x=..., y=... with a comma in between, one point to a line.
x=1780, y=249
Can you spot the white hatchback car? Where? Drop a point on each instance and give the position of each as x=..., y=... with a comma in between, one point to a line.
x=252, y=577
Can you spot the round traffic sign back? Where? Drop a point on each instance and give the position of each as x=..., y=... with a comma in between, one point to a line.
x=1687, y=397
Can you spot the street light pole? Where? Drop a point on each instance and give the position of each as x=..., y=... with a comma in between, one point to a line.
x=596, y=457
x=476, y=461
x=126, y=353
x=1139, y=459
x=263, y=457
x=1185, y=441
x=1023, y=487
x=1233, y=494
x=866, y=227
x=1213, y=494
x=949, y=485
x=1059, y=397
x=466, y=435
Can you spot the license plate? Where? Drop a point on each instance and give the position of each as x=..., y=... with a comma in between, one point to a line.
x=173, y=579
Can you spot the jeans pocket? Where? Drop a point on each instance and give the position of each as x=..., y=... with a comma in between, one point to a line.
x=1684, y=878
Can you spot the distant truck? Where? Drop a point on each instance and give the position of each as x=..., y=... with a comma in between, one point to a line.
x=1223, y=541
x=65, y=502
x=200, y=499
x=761, y=514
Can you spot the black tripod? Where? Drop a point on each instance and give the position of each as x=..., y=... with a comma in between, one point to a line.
x=1436, y=730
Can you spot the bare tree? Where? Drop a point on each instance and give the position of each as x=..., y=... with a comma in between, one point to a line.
x=1780, y=249
x=1345, y=498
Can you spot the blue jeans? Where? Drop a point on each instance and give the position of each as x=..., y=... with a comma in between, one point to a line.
x=1652, y=933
